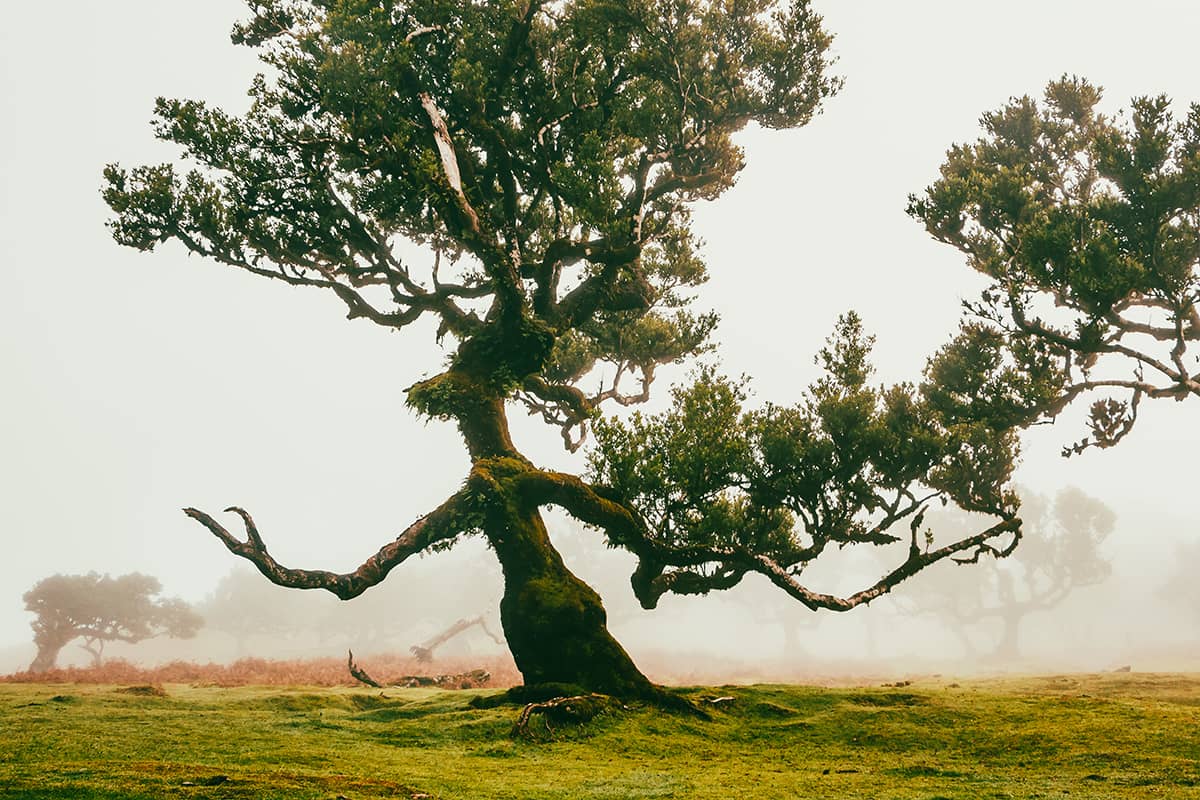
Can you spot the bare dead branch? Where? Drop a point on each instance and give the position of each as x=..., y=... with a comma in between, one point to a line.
x=419, y=32
x=443, y=523
x=359, y=673
x=424, y=651
x=473, y=679
x=445, y=146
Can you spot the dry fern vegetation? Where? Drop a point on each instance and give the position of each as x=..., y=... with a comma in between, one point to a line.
x=272, y=672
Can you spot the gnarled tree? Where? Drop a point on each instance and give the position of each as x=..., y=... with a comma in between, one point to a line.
x=100, y=609
x=544, y=155
x=1089, y=228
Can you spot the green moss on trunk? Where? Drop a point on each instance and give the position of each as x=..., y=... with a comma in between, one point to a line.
x=554, y=622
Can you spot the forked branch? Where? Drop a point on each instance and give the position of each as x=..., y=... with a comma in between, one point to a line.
x=443, y=523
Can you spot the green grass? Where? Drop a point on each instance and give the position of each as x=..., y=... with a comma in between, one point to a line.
x=1101, y=736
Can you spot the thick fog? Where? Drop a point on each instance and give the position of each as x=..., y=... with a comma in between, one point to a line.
x=136, y=384
x=1077, y=607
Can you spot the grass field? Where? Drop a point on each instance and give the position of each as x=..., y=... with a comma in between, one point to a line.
x=1098, y=736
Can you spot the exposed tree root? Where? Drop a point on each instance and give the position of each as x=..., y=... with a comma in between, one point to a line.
x=574, y=710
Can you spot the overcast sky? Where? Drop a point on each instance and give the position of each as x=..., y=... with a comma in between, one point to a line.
x=136, y=384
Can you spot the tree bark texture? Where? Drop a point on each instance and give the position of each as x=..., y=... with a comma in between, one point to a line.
x=555, y=624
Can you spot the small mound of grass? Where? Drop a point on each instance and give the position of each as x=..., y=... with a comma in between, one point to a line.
x=143, y=690
x=301, y=702
x=369, y=702
x=769, y=709
x=887, y=699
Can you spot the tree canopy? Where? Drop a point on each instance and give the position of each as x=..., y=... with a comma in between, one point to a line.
x=543, y=153
x=1089, y=227
x=723, y=490
x=523, y=172
x=98, y=609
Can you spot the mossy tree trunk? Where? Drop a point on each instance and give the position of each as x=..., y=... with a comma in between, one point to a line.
x=555, y=623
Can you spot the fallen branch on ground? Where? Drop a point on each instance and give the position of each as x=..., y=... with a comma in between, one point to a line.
x=472, y=679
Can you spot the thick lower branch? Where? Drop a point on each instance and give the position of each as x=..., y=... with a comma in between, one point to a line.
x=443, y=523
x=626, y=528
x=651, y=581
x=915, y=562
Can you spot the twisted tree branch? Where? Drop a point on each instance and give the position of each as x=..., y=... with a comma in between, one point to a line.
x=443, y=523
x=624, y=526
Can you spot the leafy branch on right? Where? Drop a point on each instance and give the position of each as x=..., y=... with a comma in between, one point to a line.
x=1089, y=227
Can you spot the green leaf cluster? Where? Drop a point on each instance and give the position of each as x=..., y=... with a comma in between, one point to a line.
x=1090, y=228
x=544, y=153
x=840, y=466
x=1060, y=198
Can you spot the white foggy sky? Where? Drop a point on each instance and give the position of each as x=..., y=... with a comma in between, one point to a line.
x=136, y=384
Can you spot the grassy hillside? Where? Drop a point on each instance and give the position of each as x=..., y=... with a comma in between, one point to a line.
x=1105, y=736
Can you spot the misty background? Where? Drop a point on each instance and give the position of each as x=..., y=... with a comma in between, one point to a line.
x=136, y=384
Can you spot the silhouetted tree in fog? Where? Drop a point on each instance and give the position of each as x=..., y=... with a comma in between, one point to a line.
x=400, y=614
x=1060, y=553
x=100, y=609
x=1181, y=589
x=246, y=607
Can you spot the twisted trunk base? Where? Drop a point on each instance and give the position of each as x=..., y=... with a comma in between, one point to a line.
x=555, y=623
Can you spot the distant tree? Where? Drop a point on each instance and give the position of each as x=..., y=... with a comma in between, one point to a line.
x=101, y=609
x=244, y=606
x=260, y=614
x=1089, y=227
x=545, y=156
x=1181, y=589
x=1060, y=553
